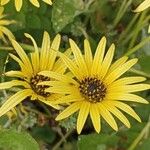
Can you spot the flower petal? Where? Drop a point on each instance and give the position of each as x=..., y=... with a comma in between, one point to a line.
x=107, y=116
x=53, y=51
x=83, y=114
x=14, y=100
x=126, y=108
x=119, y=71
x=144, y=5
x=18, y=4
x=35, y=3
x=118, y=114
x=35, y=55
x=98, y=57
x=107, y=61
x=88, y=55
x=95, y=117
x=69, y=111
x=78, y=57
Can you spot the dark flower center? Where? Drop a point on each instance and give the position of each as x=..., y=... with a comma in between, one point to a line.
x=92, y=89
x=39, y=89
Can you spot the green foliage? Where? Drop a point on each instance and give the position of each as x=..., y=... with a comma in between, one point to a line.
x=96, y=141
x=13, y=140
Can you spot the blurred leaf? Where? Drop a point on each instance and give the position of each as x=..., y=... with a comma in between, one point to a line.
x=96, y=141
x=13, y=140
x=44, y=133
x=145, y=145
x=145, y=63
x=64, y=11
x=33, y=21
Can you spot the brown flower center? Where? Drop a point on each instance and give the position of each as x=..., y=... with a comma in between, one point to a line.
x=39, y=89
x=92, y=89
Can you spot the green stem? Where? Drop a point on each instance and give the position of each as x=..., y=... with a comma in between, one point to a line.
x=62, y=140
x=130, y=25
x=138, y=46
x=137, y=29
x=125, y=4
x=138, y=72
x=139, y=137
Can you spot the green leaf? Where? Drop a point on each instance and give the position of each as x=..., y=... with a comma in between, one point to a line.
x=145, y=145
x=13, y=140
x=33, y=21
x=145, y=63
x=96, y=141
x=64, y=12
x=44, y=133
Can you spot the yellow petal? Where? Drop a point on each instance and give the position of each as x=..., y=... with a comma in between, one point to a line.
x=107, y=116
x=88, y=55
x=69, y=111
x=49, y=103
x=9, y=84
x=98, y=57
x=127, y=80
x=78, y=57
x=48, y=2
x=24, y=69
x=72, y=66
x=53, y=51
x=126, y=97
x=35, y=3
x=95, y=117
x=7, y=32
x=83, y=114
x=3, y=2
x=144, y=5
x=45, y=51
x=126, y=108
x=107, y=61
x=22, y=55
x=68, y=99
x=17, y=74
x=117, y=63
x=119, y=71
x=14, y=100
x=59, y=65
x=35, y=55
x=129, y=88
x=118, y=114
x=18, y=4
x=57, y=76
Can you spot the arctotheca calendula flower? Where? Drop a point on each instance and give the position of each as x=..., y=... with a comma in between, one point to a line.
x=96, y=89
x=4, y=31
x=19, y=3
x=28, y=78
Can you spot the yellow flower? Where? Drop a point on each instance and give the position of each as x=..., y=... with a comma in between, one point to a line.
x=28, y=78
x=144, y=5
x=95, y=89
x=3, y=30
x=19, y=3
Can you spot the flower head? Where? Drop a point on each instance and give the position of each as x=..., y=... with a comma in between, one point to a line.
x=3, y=30
x=19, y=3
x=95, y=89
x=28, y=78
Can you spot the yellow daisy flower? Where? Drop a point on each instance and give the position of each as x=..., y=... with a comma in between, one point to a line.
x=28, y=78
x=19, y=3
x=95, y=89
x=5, y=32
